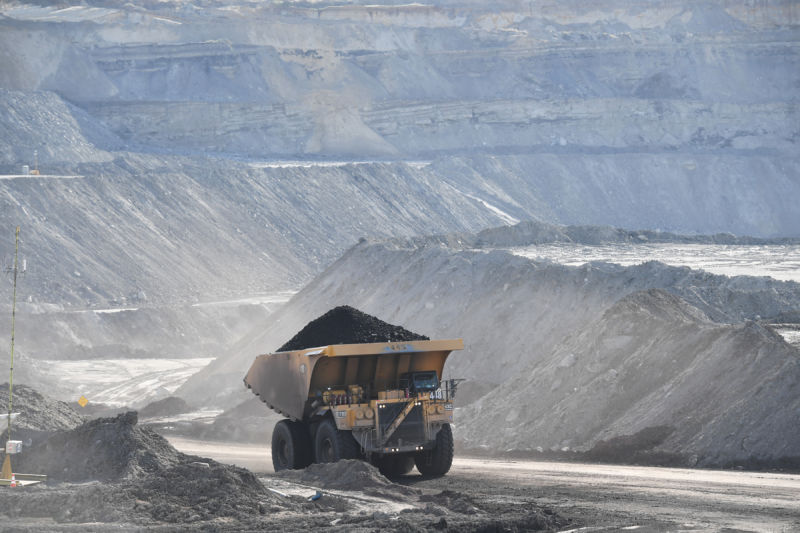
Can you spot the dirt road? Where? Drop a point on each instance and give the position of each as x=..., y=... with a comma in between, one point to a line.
x=597, y=497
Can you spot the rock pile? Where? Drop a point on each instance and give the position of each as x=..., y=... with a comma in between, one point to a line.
x=349, y=474
x=104, y=449
x=38, y=415
x=130, y=474
x=347, y=325
x=652, y=380
x=196, y=490
x=171, y=405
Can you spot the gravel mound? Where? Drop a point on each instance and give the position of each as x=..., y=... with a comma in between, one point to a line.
x=349, y=474
x=38, y=414
x=653, y=380
x=172, y=405
x=104, y=449
x=128, y=473
x=347, y=325
x=201, y=490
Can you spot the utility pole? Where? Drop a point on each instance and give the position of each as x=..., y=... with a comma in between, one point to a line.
x=7, y=461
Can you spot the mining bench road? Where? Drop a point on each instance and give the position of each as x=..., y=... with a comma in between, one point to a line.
x=599, y=497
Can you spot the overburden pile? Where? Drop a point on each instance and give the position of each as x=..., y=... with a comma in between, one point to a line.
x=347, y=325
x=38, y=415
x=654, y=381
x=348, y=474
x=104, y=449
x=130, y=473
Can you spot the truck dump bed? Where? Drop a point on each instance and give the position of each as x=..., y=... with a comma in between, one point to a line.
x=288, y=382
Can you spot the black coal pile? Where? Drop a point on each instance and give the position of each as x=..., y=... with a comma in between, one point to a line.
x=347, y=325
x=169, y=406
x=104, y=449
x=38, y=415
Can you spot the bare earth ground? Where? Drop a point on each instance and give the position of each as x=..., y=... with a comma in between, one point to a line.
x=595, y=497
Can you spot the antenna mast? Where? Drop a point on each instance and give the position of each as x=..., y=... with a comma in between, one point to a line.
x=13, y=323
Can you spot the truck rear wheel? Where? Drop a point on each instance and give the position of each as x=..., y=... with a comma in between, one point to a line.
x=291, y=446
x=331, y=444
x=437, y=462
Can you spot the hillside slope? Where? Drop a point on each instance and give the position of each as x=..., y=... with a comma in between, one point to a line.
x=104, y=229
x=684, y=192
x=129, y=227
x=656, y=371
x=511, y=311
x=677, y=116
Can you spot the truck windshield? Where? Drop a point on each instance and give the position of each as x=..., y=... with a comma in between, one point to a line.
x=425, y=381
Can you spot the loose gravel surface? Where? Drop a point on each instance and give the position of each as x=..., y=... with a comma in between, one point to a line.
x=199, y=494
x=591, y=496
x=644, y=499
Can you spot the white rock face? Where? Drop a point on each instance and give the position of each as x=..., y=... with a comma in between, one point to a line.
x=691, y=193
x=675, y=116
x=177, y=229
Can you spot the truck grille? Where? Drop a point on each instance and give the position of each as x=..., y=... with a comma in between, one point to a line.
x=388, y=413
x=411, y=430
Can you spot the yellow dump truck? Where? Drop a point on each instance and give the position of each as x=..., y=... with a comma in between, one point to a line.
x=383, y=402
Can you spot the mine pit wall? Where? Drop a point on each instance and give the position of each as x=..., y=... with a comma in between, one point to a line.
x=424, y=129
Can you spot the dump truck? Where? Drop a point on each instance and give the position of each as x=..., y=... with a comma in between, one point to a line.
x=386, y=403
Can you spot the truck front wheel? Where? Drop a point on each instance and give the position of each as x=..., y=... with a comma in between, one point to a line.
x=437, y=462
x=331, y=444
x=291, y=446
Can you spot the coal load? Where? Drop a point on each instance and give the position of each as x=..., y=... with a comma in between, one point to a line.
x=39, y=415
x=347, y=325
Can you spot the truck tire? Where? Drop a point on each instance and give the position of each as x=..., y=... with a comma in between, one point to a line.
x=331, y=444
x=395, y=465
x=291, y=446
x=437, y=462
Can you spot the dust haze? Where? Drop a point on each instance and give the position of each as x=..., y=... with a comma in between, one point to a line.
x=601, y=200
